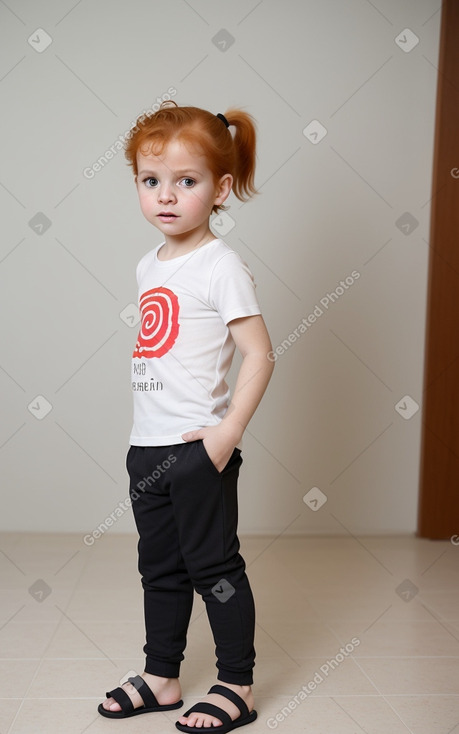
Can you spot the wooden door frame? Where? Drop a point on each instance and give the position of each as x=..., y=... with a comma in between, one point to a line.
x=439, y=471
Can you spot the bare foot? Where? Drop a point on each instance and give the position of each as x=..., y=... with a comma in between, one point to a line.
x=166, y=690
x=199, y=720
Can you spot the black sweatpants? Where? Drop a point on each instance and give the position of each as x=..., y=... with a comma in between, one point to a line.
x=186, y=515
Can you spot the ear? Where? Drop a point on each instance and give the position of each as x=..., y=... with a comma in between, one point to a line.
x=135, y=179
x=223, y=189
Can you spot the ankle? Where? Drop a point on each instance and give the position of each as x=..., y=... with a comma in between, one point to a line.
x=245, y=692
x=159, y=681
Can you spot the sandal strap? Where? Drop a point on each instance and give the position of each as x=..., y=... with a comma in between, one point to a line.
x=208, y=708
x=122, y=698
x=233, y=697
x=148, y=697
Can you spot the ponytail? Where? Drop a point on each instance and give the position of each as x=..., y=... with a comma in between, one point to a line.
x=244, y=141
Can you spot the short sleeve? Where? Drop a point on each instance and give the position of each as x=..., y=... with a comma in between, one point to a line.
x=232, y=288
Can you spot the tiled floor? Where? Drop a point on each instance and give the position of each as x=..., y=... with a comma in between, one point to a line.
x=71, y=627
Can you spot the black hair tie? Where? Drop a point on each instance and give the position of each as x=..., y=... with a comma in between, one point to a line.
x=223, y=119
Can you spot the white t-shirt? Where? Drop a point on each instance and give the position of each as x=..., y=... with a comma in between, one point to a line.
x=184, y=348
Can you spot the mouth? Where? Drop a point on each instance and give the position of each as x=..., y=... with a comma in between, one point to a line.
x=167, y=216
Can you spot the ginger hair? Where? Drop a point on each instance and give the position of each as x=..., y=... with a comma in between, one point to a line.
x=205, y=133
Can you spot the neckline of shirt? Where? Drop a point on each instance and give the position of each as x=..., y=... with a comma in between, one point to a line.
x=180, y=258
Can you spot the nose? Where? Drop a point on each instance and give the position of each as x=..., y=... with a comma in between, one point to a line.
x=166, y=193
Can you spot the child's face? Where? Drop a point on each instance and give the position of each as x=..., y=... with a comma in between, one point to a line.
x=177, y=190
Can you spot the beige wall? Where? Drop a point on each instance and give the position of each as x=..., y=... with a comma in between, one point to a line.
x=326, y=209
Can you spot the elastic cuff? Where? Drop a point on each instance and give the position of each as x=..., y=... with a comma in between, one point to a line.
x=161, y=668
x=237, y=679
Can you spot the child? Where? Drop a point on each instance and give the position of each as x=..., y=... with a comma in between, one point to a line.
x=197, y=303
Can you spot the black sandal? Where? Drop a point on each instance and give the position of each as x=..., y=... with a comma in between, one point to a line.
x=209, y=708
x=150, y=704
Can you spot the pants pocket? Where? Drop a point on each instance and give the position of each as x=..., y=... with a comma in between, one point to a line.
x=207, y=461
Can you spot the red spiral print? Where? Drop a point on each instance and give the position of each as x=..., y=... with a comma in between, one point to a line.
x=159, y=329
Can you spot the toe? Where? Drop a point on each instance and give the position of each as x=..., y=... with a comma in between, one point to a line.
x=199, y=721
x=110, y=705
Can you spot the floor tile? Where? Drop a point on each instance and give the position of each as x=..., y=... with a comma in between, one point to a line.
x=409, y=676
x=428, y=714
x=352, y=634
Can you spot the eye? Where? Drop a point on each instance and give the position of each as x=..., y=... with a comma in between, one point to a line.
x=188, y=182
x=150, y=182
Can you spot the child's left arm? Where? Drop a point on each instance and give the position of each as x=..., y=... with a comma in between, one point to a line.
x=252, y=340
